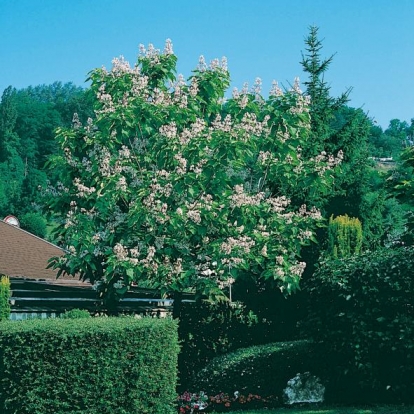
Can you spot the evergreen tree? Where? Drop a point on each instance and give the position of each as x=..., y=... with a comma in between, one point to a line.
x=323, y=107
x=336, y=127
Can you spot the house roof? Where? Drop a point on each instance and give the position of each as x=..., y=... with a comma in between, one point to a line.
x=23, y=254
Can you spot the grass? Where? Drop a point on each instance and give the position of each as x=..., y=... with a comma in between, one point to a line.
x=383, y=409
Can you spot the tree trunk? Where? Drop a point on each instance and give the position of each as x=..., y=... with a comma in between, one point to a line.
x=178, y=297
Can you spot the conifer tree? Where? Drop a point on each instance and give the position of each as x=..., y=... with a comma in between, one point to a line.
x=323, y=106
x=334, y=127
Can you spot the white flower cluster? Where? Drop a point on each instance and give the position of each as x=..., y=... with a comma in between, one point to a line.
x=195, y=130
x=70, y=220
x=76, y=123
x=121, y=184
x=243, y=243
x=152, y=54
x=296, y=86
x=194, y=216
x=265, y=157
x=106, y=100
x=124, y=153
x=239, y=198
x=325, y=162
x=242, y=97
x=83, y=190
x=249, y=125
x=179, y=95
x=182, y=163
x=168, y=48
x=169, y=130
x=216, y=65
x=278, y=204
x=121, y=252
x=298, y=269
x=120, y=66
x=156, y=207
x=257, y=88
x=139, y=86
x=193, y=89
x=302, y=105
x=313, y=213
x=305, y=235
x=225, y=125
x=275, y=90
x=198, y=168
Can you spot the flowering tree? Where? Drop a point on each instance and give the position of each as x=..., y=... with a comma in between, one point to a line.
x=173, y=187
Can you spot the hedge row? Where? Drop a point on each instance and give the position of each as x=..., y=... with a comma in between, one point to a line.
x=362, y=309
x=96, y=365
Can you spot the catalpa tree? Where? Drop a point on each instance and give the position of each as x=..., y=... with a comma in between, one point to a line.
x=174, y=187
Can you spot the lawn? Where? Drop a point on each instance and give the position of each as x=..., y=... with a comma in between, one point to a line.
x=394, y=409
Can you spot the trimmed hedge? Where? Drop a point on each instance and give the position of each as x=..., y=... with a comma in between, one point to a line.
x=89, y=366
x=263, y=370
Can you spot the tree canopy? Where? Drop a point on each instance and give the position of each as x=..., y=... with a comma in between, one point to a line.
x=173, y=187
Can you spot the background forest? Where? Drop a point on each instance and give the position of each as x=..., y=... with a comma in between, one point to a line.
x=28, y=120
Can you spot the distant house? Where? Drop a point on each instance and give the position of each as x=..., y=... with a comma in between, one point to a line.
x=23, y=254
x=36, y=292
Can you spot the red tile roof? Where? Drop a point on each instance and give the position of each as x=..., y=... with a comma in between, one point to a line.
x=23, y=254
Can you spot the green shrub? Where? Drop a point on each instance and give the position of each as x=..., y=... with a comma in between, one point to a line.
x=4, y=298
x=34, y=223
x=263, y=370
x=75, y=314
x=96, y=365
x=208, y=330
x=362, y=309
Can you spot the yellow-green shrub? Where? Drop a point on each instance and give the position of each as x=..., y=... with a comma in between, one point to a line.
x=344, y=236
x=5, y=293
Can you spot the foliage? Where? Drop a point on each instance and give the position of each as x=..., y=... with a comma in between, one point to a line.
x=72, y=366
x=263, y=370
x=344, y=236
x=207, y=330
x=173, y=188
x=5, y=294
x=362, y=311
x=75, y=314
x=34, y=223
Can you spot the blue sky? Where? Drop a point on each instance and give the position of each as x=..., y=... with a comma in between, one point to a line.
x=43, y=41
